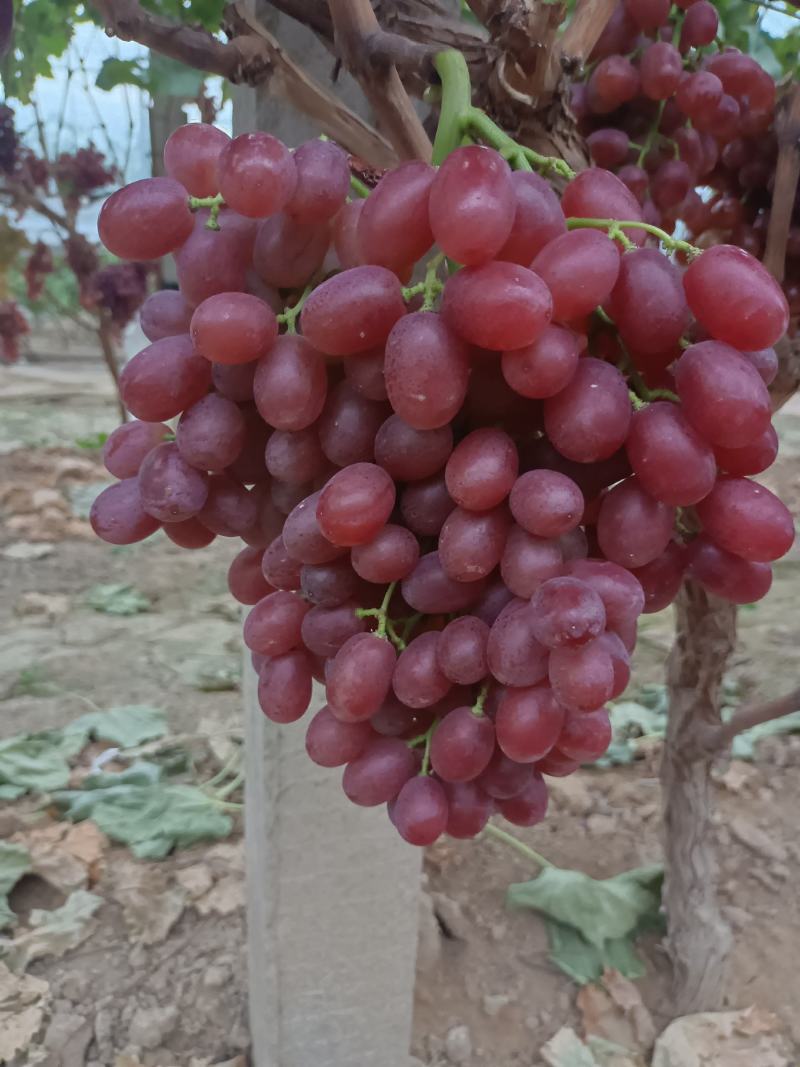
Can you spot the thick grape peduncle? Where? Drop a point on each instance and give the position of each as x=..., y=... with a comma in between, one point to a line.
x=460, y=122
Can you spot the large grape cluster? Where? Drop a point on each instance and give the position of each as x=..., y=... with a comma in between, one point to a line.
x=456, y=492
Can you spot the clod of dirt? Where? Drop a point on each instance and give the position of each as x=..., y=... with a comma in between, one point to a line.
x=149, y=1026
x=723, y=1039
x=24, y=1002
x=150, y=904
x=458, y=1044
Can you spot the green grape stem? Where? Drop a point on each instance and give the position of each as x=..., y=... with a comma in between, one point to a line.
x=359, y=188
x=290, y=315
x=212, y=202
x=478, y=706
x=614, y=228
x=652, y=135
x=430, y=287
x=386, y=627
x=520, y=846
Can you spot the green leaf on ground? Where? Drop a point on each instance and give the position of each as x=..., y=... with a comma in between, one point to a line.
x=14, y=863
x=601, y=909
x=117, y=599
x=126, y=726
x=52, y=933
x=92, y=442
x=34, y=762
x=39, y=763
x=630, y=721
x=585, y=963
x=82, y=495
x=593, y=923
x=138, y=809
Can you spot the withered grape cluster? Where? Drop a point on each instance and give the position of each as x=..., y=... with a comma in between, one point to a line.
x=456, y=492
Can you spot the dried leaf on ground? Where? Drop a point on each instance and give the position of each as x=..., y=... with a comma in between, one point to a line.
x=565, y=1049
x=27, y=550
x=226, y=897
x=52, y=606
x=195, y=880
x=613, y=1010
x=52, y=933
x=66, y=856
x=750, y=1038
x=140, y=810
x=24, y=1002
x=14, y=863
x=117, y=599
x=151, y=902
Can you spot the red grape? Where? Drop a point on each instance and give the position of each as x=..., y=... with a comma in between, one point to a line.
x=472, y=204
x=146, y=219
x=426, y=370
x=355, y=504
x=190, y=156
x=736, y=298
x=743, y=517
x=118, y=517
x=256, y=174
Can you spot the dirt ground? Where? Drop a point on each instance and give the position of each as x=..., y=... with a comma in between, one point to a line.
x=175, y=995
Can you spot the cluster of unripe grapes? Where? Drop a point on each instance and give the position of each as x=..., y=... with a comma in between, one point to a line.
x=687, y=126
x=456, y=493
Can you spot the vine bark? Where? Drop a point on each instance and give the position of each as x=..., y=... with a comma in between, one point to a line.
x=698, y=939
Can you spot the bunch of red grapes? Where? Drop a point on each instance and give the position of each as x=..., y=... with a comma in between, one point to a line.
x=454, y=508
x=686, y=126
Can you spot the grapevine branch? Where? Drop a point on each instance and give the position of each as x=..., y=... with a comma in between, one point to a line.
x=752, y=715
x=251, y=57
x=355, y=25
x=787, y=171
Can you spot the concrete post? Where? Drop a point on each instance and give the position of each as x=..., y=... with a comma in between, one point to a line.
x=332, y=890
